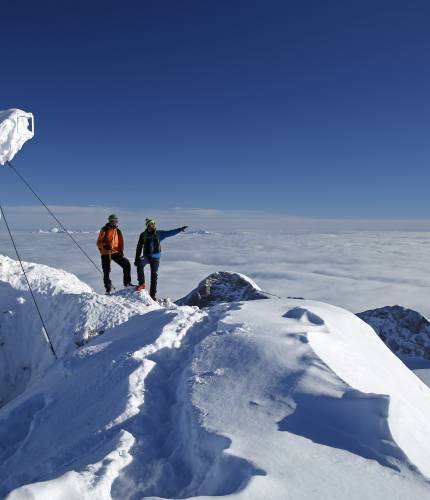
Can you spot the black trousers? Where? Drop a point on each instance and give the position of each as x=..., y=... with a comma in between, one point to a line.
x=121, y=261
x=153, y=264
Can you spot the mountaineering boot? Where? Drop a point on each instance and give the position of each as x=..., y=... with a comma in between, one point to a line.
x=140, y=287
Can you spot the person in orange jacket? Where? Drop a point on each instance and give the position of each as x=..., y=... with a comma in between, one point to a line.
x=111, y=245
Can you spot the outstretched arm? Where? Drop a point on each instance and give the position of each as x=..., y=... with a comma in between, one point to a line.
x=172, y=232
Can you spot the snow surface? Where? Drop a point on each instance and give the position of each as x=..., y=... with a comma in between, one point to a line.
x=274, y=399
x=72, y=311
x=14, y=132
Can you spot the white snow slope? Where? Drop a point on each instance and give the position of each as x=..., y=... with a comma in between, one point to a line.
x=14, y=132
x=274, y=399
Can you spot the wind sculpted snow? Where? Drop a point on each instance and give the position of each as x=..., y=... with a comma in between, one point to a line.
x=14, y=132
x=73, y=313
x=274, y=399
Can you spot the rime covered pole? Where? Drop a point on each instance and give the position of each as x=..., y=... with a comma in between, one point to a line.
x=16, y=128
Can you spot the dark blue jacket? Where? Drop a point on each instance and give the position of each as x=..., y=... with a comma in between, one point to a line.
x=162, y=235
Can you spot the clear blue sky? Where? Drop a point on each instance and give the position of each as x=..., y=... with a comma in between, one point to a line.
x=317, y=108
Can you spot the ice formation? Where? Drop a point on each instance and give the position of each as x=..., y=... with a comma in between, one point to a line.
x=16, y=128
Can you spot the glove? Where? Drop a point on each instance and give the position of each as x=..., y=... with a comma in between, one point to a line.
x=107, y=247
x=183, y=228
x=136, y=262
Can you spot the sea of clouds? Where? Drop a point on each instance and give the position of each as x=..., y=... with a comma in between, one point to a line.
x=350, y=263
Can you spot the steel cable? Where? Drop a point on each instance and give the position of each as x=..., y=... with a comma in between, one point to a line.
x=28, y=284
x=54, y=217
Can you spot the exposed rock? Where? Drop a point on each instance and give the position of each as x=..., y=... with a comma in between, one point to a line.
x=221, y=287
x=406, y=332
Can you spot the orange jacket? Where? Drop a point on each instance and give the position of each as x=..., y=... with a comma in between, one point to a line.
x=112, y=236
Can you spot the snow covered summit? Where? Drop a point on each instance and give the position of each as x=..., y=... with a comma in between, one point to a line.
x=274, y=399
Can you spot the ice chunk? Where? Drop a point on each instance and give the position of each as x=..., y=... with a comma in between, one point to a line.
x=16, y=127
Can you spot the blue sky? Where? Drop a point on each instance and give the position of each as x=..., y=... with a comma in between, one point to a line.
x=309, y=108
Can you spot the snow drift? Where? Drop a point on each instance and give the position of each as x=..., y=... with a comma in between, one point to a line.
x=276, y=399
x=72, y=311
x=14, y=132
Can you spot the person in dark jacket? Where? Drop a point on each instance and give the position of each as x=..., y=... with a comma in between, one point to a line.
x=111, y=245
x=148, y=251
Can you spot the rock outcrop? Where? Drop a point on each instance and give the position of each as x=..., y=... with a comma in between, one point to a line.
x=406, y=332
x=221, y=287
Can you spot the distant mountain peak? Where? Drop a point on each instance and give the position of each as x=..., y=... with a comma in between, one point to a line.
x=405, y=331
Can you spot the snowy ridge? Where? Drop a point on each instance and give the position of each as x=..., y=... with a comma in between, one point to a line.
x=276, y=399
x=72, y=311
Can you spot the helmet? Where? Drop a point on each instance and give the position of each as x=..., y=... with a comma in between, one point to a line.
x=112, y=217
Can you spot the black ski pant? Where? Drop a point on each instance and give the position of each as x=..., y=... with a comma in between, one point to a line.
x=106, y=266
x=153, y=264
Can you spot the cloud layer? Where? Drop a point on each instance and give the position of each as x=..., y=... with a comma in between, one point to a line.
x=286, y=256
